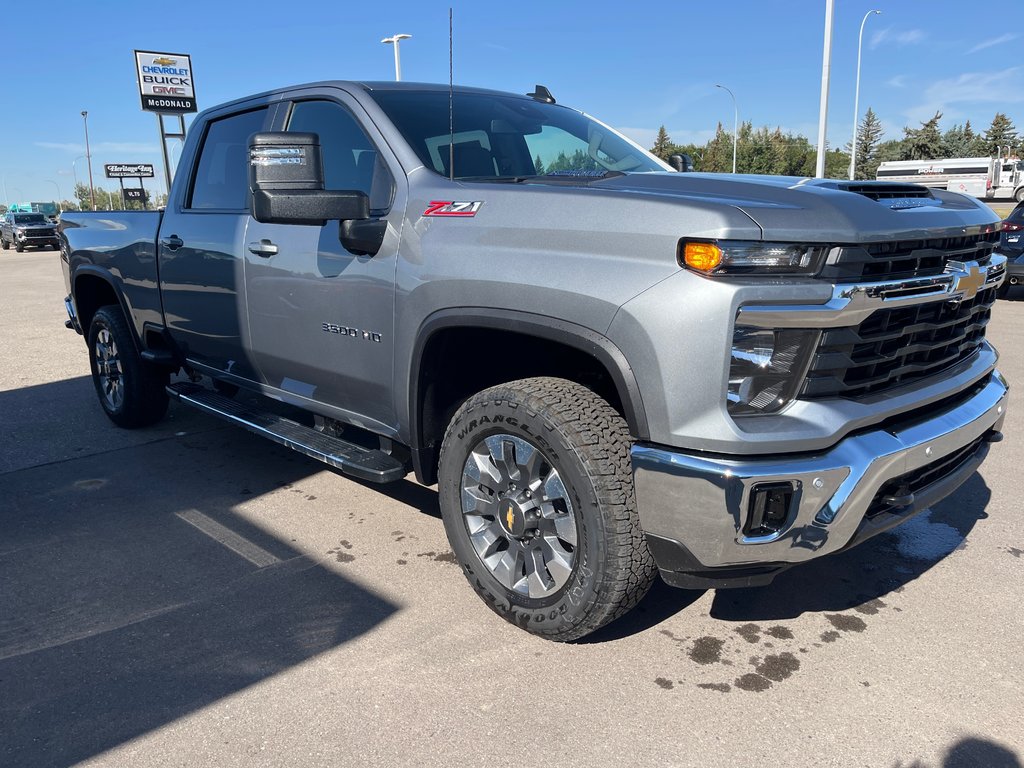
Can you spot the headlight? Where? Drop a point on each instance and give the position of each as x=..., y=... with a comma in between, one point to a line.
x=766, y=368
x=743, y=257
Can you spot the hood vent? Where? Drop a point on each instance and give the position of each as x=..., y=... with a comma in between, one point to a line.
x=885, y=192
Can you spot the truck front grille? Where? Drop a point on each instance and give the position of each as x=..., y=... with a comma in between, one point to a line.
x=39, y=233
x=898, y=260
x=894, y=347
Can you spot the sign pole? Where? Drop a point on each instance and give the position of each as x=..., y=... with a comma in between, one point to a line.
x=123, y=201
x=143, y=188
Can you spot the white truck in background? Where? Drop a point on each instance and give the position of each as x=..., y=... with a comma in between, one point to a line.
x=983, y=177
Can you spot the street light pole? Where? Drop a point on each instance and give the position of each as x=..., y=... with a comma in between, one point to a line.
x=856, y=96
x=735, y=123
x=88, y=158
x=826, y=65
x=74, y=170
x=60, y=206
x=395, y=39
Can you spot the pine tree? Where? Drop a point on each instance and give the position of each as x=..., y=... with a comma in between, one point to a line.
x=538, y=166
x=662, y=144
x=924, y=143
x=868, y=135
x=1000, y=134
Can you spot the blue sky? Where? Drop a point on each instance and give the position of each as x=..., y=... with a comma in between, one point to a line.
x=635, y=66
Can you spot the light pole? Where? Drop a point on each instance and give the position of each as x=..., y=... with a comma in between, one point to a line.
x=856, y=95
x=826, y=72
x=88, y=159
x=74, y=171
x=60, y=206
x=735, y=123
x=395, y=39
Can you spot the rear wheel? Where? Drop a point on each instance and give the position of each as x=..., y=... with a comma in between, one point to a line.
x=4, y=244
x=131, y=391
x=537, y=499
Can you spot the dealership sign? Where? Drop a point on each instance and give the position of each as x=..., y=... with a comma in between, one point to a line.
x=165, y=82
x=128, y=171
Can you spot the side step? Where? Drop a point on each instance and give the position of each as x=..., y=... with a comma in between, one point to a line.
x=363, y=463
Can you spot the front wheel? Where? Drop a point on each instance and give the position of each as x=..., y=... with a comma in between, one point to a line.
x=131, y=391
x=19, y=247
x=537, y=498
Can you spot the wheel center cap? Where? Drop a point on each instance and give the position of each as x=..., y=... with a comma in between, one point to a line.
x=512, y=517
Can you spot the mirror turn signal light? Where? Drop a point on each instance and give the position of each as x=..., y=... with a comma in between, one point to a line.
x=702, y=256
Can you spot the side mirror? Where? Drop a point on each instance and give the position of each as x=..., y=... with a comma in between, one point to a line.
x=286, y=177
x=682, y=163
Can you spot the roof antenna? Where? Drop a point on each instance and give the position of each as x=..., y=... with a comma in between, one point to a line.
x=451, y=111
x=540, y=93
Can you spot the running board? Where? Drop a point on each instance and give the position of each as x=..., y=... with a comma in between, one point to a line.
x=355, y=460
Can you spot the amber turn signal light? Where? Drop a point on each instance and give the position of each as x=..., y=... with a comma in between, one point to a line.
x=702, y=256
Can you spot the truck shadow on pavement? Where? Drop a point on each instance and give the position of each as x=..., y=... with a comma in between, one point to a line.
x=135, y=593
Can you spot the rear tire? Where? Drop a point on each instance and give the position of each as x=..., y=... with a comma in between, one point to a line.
x=4, y=244
x=131, y=391
x=536, y=494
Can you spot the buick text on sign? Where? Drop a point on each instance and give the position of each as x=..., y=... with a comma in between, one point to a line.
x=165, y=82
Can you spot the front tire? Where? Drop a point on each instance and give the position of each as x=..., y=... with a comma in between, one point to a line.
x=536, y=494
x=19, y=247
x=131, y=391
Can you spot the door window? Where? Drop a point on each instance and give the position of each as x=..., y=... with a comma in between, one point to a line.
x=351, y=161
x=222, y=175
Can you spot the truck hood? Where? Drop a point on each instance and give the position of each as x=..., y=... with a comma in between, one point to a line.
x=816, y=210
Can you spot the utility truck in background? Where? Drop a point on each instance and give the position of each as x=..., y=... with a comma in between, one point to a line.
x=610, y=369
x=986, y=178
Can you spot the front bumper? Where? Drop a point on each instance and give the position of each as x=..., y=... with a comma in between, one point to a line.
x=694, y=508
x=37, y=242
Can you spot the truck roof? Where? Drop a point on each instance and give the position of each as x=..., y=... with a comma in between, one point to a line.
x=372, y=85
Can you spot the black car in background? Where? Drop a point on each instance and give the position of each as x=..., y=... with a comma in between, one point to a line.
x=1011, y=245
x=27, y=230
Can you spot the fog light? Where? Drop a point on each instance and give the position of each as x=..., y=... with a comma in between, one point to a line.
x=769, y=509
x=766, y=368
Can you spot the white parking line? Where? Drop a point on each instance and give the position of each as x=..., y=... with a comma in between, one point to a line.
x=237, y=544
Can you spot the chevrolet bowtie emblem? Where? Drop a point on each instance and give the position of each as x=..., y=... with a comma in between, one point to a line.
x=969, y=282
x=510, y=517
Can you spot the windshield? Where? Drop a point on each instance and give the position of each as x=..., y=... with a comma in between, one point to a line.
x=507, y=137
x=29, y=218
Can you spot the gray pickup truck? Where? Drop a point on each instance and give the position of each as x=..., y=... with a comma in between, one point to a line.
x=611, y=369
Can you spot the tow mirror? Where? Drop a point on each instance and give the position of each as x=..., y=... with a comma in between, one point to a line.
x=286, y=176
x=682, y=163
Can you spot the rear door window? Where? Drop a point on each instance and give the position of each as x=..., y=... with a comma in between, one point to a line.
x=221, y=181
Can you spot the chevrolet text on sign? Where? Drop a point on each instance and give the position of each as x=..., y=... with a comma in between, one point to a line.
x=165, y=82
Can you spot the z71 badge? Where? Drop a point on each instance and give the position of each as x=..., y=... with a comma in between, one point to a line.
x=452, y=208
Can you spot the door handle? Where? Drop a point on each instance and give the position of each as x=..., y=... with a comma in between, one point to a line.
x=172, y=243
x=263, y=248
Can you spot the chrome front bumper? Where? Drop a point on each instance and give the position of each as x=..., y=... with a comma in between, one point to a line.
x=701, y=503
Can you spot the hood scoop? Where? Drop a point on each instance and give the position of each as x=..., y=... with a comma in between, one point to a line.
x=895, y=196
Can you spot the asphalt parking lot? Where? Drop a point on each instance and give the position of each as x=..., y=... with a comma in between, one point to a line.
x=190, y=594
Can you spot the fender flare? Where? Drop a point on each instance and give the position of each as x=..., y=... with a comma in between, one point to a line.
x=106, y=276
x=570, y=334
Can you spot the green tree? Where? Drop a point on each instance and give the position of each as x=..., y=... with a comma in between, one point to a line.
x=959, y=141
x=924, y=143
x=1001, y=133
x=869, y=133
x=662, y=144
x=538, y=166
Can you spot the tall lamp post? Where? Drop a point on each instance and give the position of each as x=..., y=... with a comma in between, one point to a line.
x=60, y=206
x=395, y=39
x=856, y=95
x=735, y=123
x=88, y=159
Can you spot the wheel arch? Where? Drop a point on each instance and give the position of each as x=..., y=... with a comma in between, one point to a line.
x=92, y=288
x=430, y=409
